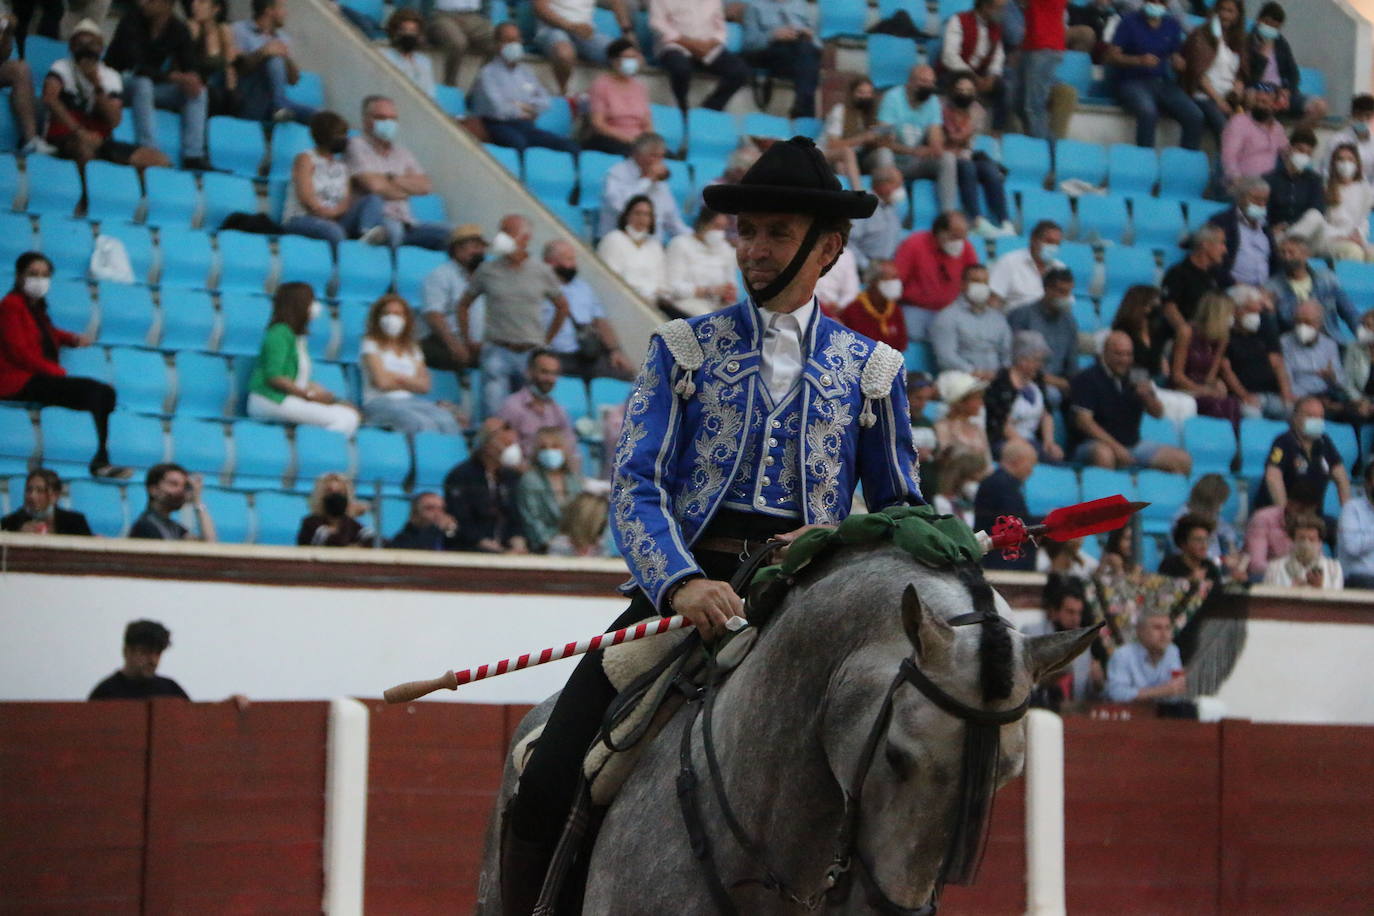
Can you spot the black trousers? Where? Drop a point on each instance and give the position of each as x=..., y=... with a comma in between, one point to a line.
x=548, y=785
x=731, y=69
x=48, y=22
x=94, y=397
x=798, y=61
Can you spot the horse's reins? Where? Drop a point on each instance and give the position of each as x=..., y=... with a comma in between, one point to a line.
x=981, y=740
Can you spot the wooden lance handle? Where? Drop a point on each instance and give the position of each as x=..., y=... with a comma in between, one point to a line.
x=413, y=690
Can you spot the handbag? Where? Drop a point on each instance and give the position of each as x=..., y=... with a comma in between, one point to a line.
x=589, y=343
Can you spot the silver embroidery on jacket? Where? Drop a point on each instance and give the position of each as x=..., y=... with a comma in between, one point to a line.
x=649, y=563
x=844, y=357
x=721, y=420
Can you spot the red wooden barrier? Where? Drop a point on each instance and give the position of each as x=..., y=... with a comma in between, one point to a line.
x=1001, y=885
x=71, y=807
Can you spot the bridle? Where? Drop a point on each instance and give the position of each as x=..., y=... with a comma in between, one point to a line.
x=977, y=782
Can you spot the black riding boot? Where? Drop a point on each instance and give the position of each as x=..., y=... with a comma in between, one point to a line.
x=523, y=866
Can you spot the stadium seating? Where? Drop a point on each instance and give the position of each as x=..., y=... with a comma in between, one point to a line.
x=126, y=314
x=230, y=514
x=364, y=270
x=138, y=245
x=1183, y=174
x=1212, y=444
x=1101, y=218
x=69, y=440
x=1164, y=493
x=1078, y=159
x=245, y=261
x=67, y=242
x=1256, y=439
x=203, y=385
x=383, y=458
x=1050, y=487
x=200, y=446
x=187, y=257
x=261, y=455
x=306, y=260
x=244, y=317
x=1132, y=170
x=18, y=441
x=136, y=441
x=278, y=517
x=102, y=504
x=188, y=320
x=114, y=191
x=1027, y=161
x=318, y=451
x=435, y=455
x=412, y=266
x=236, y=145
x=1157, y=223
x=225, y=194
x=54, y=185
x=140, y=377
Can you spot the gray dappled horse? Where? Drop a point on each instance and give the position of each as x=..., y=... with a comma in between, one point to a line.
x=825, y=709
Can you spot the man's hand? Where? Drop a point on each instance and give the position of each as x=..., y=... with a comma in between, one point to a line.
x=659, y=172
x=1177, y=686
x=708, y=604
x=1122, y=454
x=582, y=29
x=786, y=33
x=1147, y=60
x=985, y=84
x=189, y=83
x=1314, y=577
x=275, y=48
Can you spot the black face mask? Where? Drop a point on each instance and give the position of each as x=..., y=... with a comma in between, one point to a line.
x=473, y=262
x=924, y=93
x=407, y=44
x=335, y=504
x=84, y=53
x=961, y=101
x=1262, y=115
x=339, y=146
x=566, y=274
x=863, y=104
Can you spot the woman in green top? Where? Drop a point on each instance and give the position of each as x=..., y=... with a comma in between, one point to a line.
x=548, y=486
x=280, y=389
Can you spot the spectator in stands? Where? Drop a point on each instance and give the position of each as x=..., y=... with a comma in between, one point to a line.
x=547, y=487
x=320, y=202
x=1355, y=537
x=1193, y=277
x=1198, y=357
x=1359, y=359
x=1253, y=138
x=633, y=251
x=877, y=312
x=532, y=409
x=1053, y=317
x=443, y=287
x=1215, y=65
x=1149, y=668
x=215, y=53
x=1003, y=492
x=144, y=643
x=1266, y=532
x=50, y=22
x=972, y=335
x=508, y=97
x=1065, y=558
x=1252, y=255
x=1357, y=133
x=959, y=472
x=852, y=136
x=1108, y=401
x=1141, y=318
x=1018, y=276
x=839, y=286
x=964, y=119
x=1016, y=400
x=877, y=237
x=1296, y=281
x=403, y=30
x=429, y=527
x=455, y=26
x=1343, y=232
x=931, y=265
x=377, y=164
x=266, y=67
x=690, y=35
x=395, y=377
x=643, y=173
x=780, y=36
x=567, y=31
x=618, y=111
x=516, y=287
x=154, y=51
x=700, y=266
x=916, y=144
x=1253, y=368
x=18, y=78
x=1303, y=453
x=1064, y=602
x=582, y=529
x=1191, y=559
x=586, y=345
x=972, y=45
x=1036, y=66
x=480, y=492
x=920, y=388
x=961, y=428
x=40, y=513
x=1206, y=500
x=331, y=521
x=1144, y=54
x=1272, y=61
x=1295, y=188
x=1313, y=357
x=1090, y=25
x=170, y=487
x=1304, y=566
x=280, y=389
x=84, y=102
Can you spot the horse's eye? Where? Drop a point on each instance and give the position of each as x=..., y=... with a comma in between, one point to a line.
x=900, y=761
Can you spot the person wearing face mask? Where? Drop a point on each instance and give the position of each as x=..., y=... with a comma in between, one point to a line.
x=1198, y=357
x=567, y=31
x=395, y=378
x=1216, y=65
x=782, y=38
x=1253, y=138
x=972, y=335
x=958, y=474
x=1272, y=60
x=1355, y=535
x=508, y=97
x=965, y=119
x=377, y=164
x=1003, y=492
x=1253, y=368
x=320, y=202
x=1191, y=278
x=1018, y=277
x=972, y=47
x=40, y=513
x=618, y=102
x=533, y=407
x=1143, y=57
x=1297, y=281
x=1252, y=254
x=266, y=66
x=851, y=136
x=1359, y=358
x=547, y=487
x=1017, y=401
x=30, y=347
x=331, y=521
x=280, y=389
x=443, y=287
x=877, y=312
x=1313, y=357
x=1053, y=318
x=587, y=346
x=1295, y=187
x=701, y=266
x=403, y=29
x=1303, y=460
x=633, y=251
x=1343, y=233
x=913, y=120
x=169, y=488
x=931, y=265
x=962, y=427
x=877, y=237
x=1304, y=566
x=480, y=493
x=1357, y=134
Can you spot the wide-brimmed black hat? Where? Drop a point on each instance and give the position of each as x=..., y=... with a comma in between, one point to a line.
x=791, y=177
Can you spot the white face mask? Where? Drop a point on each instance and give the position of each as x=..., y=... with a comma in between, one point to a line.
x=551, y=459
x=503, y=244
x=37, y=287
x=628, y=66
x=714, y=237
x=1048, y=252
x=891, y=289
x=954, y=247
x=1255, y=212
x=392, y=325
x=1306, y=333
x=970, y=490
x=1365, y=335
x=385, y=129
x=978, y=293
x=1300, y=161
x=1314, y=427
x=1250, y=321
x=636, y=235
x=1347, y=168
x=1216, y=27
x=512, y=52
x=898, y=196
x=511, y=456
x=316, y=309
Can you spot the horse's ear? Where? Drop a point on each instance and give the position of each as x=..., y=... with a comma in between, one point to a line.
x=926, y=631
x=1047, y=654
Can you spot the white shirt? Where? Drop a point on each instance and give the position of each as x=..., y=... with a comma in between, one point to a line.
x=406, y=364
x=573, y=10
x=693, y=262
x=951, y=52
x=1027, y=414
x=1351, y=212
x=642, y=266
x=840, y=285
x=1222, y=74
x=329, y=181
x=458, y=6
x=782, y=348
x=1016, y=279
x=417, y=66
x=1287, y=572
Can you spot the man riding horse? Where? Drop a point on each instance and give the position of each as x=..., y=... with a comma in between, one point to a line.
x=748, y=424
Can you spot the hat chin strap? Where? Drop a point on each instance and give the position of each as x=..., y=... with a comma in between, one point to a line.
x=789, y=273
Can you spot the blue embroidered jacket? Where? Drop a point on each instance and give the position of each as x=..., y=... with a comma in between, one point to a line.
x=701, y=430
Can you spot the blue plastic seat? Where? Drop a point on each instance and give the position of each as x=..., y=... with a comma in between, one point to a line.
x=669, y=125
x=1165, y=493
x=382, y=456
x=1050, y=487
x=1212, y=443
x=1100, y=482
x=9, y=129
x=451, y=100
x=41, y=52
x=69, y=440
x=1157, y=223
x=114, y=191
x=413, y=264
x=236, y=144
x=54, y=185
x=506, y=157
x=225, y=194
x=1027, y=160
x=1256, y=441
x=87, y=362
x=1311, y=82
x=288, y=139
x=364, y=270
x=1357, y=279
x=608, y=391
x=69, y=305
x=1085, y=313
x=1200, y=212
x=428, y=208
x=592, y=167
x=890, y=59
x=319, y=451
x=203, y=385
x=136, y=441
x=1102, y=217
x=571, y=394
x=319, y=336
x=307, y=90
x=572, y=216
x=229, y=511
x=549, y=174
x=244, y=316
x=306, y=260
x=1082, y=160
x=188, y=319
x=918, y=356
x=1183, y=173
x=1080, y=258
x=67, y=243
x=1160, y=429
x=1132, y=170
x=711, y=132
x=138, y=245
x=352, y=323
x=332, y=377
x=1038, y=204
x=102, y=504
x=844, y=19
x=126, y=314
x=261, y=454
x=389, y=514
x=279, y=516
x=166, y=133
x=16, y=236
x=140, y=377
x=186, y=258
x=18, y=442
x=1076, y=69
x=435, y=455
x=759, y=124
x=557, y=118
x=948, y=8
x=245, y=261
x=1126, y=267
x=1342, y=436
x=199, y=446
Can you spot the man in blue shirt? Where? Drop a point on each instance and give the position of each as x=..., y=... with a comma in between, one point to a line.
x=1150, y=668
x=917, y=145
x=508, y=97
x=586, y=345
x=877, y=238
x=780, y=36
x=1356, y=535
x=1144, y=54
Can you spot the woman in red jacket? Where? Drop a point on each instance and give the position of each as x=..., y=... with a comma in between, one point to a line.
x=29, y=369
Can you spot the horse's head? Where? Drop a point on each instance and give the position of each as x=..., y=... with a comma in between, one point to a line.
x=927, y=720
